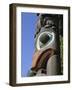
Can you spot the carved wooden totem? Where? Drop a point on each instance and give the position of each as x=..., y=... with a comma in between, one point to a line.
x=46, y=60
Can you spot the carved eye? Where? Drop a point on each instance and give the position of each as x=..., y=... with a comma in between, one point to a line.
x=44, y=39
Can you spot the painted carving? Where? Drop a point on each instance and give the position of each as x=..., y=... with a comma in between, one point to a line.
x=47, y=58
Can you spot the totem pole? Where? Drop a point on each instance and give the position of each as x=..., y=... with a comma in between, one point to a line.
x=46, y=60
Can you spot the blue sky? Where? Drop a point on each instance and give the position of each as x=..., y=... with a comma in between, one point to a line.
x=28, y=22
